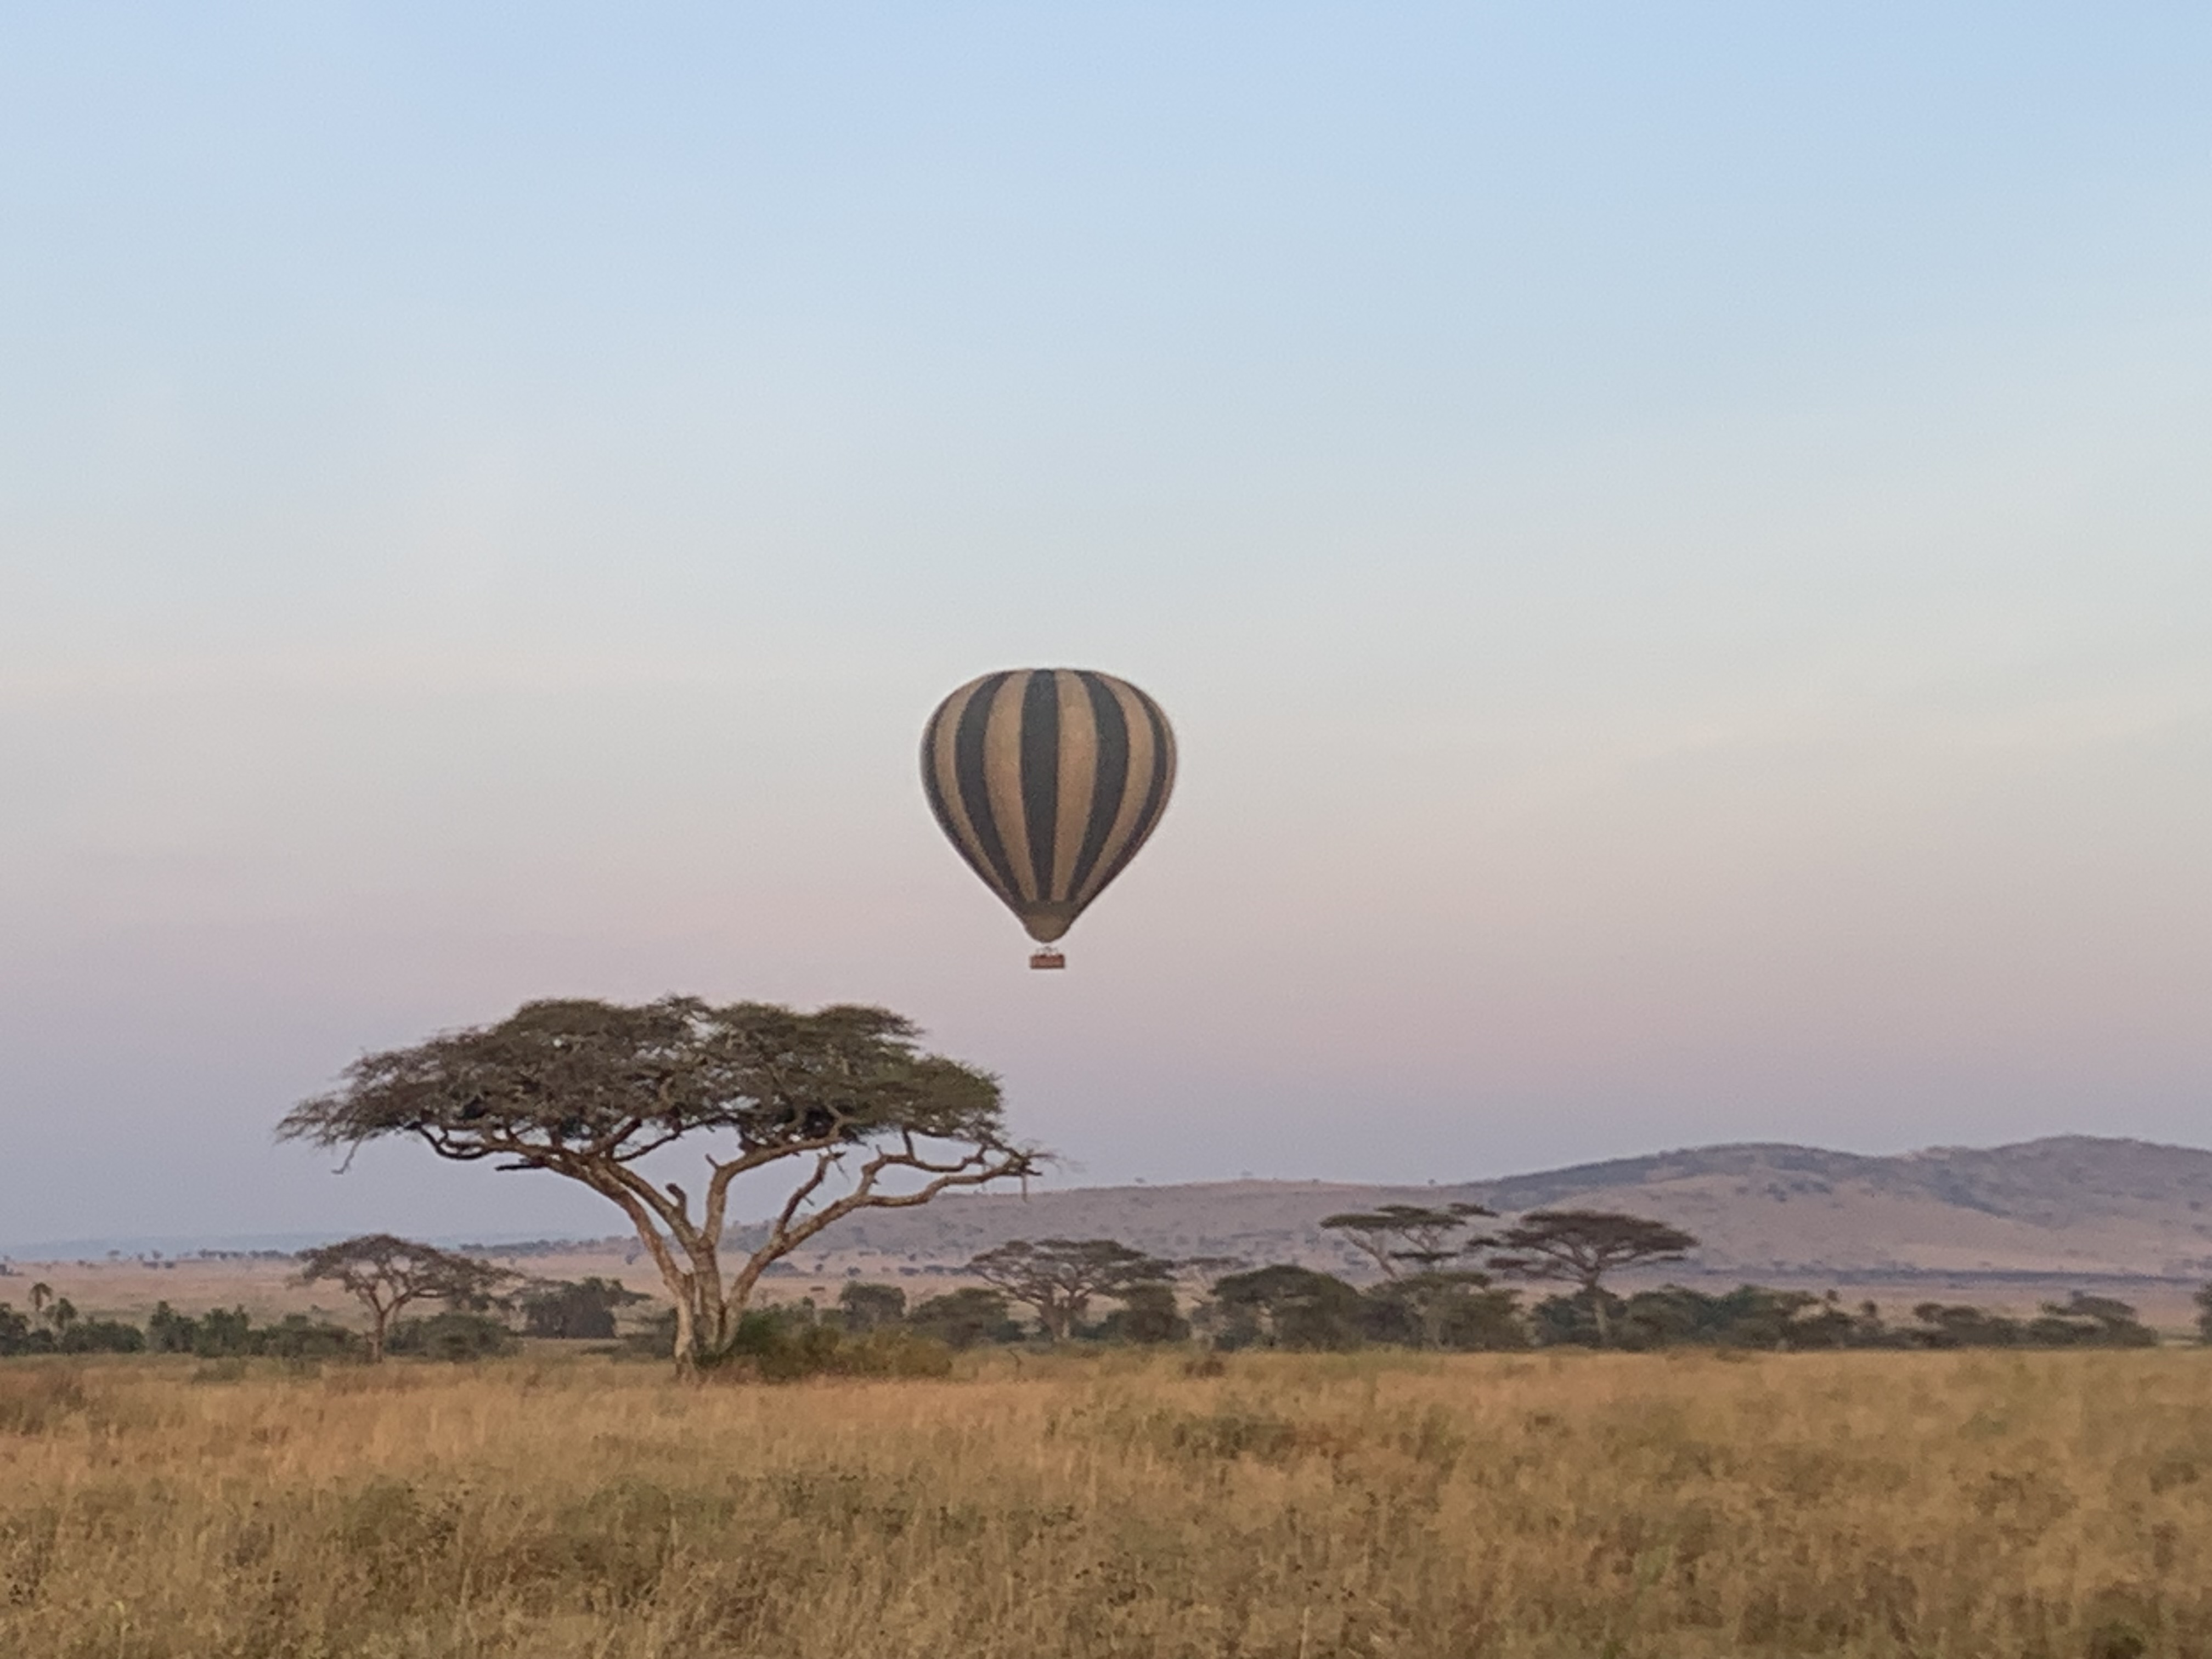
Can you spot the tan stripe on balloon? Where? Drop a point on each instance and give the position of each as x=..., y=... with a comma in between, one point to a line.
x=1079, y=778
x=1142, y=759
x=1002, y=776
x=944, y=740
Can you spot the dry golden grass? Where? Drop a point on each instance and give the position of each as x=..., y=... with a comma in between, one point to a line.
x=1920, y=1505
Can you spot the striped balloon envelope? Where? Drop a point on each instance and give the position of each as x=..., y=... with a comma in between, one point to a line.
x=1048, y=780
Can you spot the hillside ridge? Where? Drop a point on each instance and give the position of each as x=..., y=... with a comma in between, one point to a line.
x=2081, y=1204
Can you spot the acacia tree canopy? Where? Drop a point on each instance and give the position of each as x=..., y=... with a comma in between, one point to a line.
x=1584, y=1245
x=588, y=1089
x=1421, y=1234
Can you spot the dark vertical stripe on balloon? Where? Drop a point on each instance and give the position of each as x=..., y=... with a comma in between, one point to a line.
x=967, y=767
x=1041, y=773
x=942, y=787
x=1155, y=786
x=1113, y=775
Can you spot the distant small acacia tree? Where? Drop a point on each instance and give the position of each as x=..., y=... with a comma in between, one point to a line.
x=1582, y=1246
x=1056, y=1278
x=386, y=1273
x=2204, y=1313
x=1396, y=1235
x=588, y=1090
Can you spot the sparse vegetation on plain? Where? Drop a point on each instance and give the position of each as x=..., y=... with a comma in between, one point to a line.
x=1117, y=1503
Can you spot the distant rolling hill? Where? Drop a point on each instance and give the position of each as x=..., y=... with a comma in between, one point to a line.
x=2071, y=1208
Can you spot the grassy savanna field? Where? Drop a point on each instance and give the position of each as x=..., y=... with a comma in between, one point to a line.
x=1117, y=1504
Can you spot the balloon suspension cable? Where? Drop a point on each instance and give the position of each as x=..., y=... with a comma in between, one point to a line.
x=1047, y=957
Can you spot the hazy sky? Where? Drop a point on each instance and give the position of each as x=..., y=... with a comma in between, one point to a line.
x=1677, y=540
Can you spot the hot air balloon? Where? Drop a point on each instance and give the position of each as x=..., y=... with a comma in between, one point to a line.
x=1048, y=780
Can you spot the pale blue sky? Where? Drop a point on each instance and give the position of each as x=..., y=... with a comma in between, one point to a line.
x=1677, y=540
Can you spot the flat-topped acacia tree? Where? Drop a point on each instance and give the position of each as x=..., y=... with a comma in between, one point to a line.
x=588, y=1090
x=1584, y=1245
x=1057, y=1279
x=386, y=1274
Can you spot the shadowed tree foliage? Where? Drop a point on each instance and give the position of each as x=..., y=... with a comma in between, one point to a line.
x=1283, y=1306
x=1399, y=1235
x=230, y=1333
x=1444, y=1309
x=384, y=1274
x=583, y=1308
x=1582, y=1246
x=964, y=1318
x=866, y=1307
x=2204, y=1313
x=453, y=1335
x=589, y=1090
x=1148, y=1314
x=1962, y=1325
x=19, y=1334
x=2082, y=1322
x=168, y=1331
x=1748, y=1316
x=1056, y=1278
x=2089, y=1322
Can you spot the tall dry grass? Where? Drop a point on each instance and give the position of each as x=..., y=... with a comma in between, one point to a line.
x=1920, y=1504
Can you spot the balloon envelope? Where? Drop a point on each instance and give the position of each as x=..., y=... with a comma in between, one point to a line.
x=1048, y=780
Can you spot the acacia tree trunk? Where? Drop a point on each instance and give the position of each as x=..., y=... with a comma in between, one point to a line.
x=687, y=1249
x=687, y=1329
x=381, y=1315
x=1432, y=1321
x=1590, y=1288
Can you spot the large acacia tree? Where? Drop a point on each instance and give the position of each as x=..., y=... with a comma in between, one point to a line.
x=590, y=1090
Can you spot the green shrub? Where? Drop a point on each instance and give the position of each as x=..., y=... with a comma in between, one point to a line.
x=452, y=1336
x=965, y=1318
x=583, y=1309
x=1148, y=1314
x=778, y=1346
